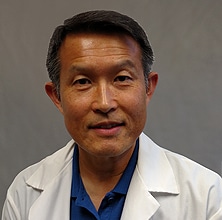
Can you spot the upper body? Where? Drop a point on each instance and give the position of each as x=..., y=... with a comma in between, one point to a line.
x=164, y=185
x=99, y=63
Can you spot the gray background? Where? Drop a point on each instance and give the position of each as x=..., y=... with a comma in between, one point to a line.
x=185, y=113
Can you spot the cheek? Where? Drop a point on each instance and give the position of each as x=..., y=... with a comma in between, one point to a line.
x=74, y=110
x=74, y=103
x=74, y=119
x=135, y=105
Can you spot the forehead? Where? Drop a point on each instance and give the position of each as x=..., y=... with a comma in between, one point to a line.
x=99, y=44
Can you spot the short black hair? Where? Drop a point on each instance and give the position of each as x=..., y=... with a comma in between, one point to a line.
x=99, y=21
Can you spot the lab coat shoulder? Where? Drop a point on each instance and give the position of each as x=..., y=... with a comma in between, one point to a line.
x=198, y=185
x=19, y=195
x=29, y=184
x=166, y=185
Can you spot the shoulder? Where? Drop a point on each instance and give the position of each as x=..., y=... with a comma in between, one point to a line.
x=186, y=172
x=195, y=172
x=30, y=182
x=196, y=187
x=177, y=162
x=49, y=164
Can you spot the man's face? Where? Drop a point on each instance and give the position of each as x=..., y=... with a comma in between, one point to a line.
x=102, y=92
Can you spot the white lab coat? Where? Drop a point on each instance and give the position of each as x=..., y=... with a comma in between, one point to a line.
x=164, y=186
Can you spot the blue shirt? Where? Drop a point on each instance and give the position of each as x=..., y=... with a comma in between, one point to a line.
x=111, y=207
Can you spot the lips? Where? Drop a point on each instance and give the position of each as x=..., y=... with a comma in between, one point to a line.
x=107, y=128
x=105, y=125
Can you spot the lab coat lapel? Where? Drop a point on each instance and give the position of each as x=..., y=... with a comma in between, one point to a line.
x=53, y=178
x=153, y=173
x=139, y=204
x=154, y=167
x=56, y=193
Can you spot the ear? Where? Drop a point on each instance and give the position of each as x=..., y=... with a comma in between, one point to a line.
x=50, y=89
x=152, y=83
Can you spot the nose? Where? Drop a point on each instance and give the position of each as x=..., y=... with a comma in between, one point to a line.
x=104, y=101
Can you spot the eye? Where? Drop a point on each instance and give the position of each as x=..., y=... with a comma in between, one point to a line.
x=122, y=78
x=82, y=81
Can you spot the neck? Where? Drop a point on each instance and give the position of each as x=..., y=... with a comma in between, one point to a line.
x=103, y=168
x=104, y=172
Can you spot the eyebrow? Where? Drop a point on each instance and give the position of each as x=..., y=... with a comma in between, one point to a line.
x=118, y=65
x=126, y=63
x=78, y=68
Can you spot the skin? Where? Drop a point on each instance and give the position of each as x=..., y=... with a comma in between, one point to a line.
x=103, y=100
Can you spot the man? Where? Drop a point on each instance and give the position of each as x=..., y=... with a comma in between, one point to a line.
x=99, y=63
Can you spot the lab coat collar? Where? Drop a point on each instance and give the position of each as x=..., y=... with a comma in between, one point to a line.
x=153, y=173
x=53, y=178
x=139, y=203
x=154, y=167
x=51, y=167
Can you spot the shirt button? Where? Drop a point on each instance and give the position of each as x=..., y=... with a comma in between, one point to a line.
x=110, y=199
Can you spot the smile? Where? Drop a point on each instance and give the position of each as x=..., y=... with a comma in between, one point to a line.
x=107, y=128
x=106, y=125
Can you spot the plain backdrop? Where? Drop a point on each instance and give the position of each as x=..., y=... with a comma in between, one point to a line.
x=185, y=113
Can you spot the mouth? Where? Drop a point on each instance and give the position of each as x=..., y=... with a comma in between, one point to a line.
x=107, y=128
x=106, y=125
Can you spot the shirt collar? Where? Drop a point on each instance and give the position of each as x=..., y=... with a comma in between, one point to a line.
x=76, y=180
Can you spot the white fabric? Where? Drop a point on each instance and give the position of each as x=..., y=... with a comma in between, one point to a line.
x=164, y=185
